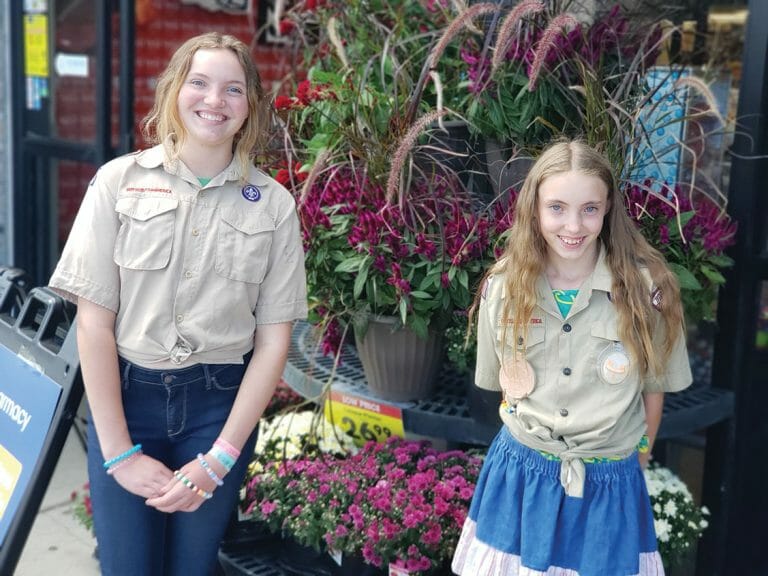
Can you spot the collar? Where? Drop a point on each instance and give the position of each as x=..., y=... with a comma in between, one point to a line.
x=600, y=279
x=159, y=155
x=601, y=276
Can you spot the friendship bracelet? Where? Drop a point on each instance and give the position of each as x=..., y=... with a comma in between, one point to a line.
x=112, y=461
x=227, y=447
x=123, y=462
x=643, y=446
x=192, y=486
x=211, y=473
x=224, y=458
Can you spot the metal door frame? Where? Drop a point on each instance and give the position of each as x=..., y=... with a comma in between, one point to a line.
x=34, y=148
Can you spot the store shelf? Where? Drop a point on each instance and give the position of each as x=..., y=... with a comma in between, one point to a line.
x=446, y=414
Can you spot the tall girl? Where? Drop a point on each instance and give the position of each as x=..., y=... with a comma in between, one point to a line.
x=187, y=267
x=580, y=327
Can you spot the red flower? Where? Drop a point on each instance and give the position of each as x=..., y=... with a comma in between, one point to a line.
x=285, y=103
x=286, y=27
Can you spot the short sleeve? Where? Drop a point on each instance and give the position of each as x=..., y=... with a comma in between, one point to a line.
x=283, y=293
x=677, y=373
x=86, y=268
x=487, y=365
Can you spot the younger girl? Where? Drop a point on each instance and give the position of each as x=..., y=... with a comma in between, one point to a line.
x=187, y=267
x=580, y=328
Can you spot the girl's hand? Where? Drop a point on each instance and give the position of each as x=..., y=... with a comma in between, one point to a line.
x=144, y=476
x=644, y=459
x=175, y=496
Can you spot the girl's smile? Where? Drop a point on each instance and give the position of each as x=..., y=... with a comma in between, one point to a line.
x=212, y=102
x=571, y=207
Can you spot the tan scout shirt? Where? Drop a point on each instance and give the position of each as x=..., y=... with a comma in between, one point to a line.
x=189, y=271
x=573, y=411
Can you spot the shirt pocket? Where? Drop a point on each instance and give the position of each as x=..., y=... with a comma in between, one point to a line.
x=244, y=242
x=145, y=238
x=534, y=346
x=610, y=359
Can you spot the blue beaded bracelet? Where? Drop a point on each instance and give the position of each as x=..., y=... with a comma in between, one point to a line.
x=208, y=470
x=109, y=463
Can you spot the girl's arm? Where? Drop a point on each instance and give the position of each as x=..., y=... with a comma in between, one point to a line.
x=96, y=344
x=654, y=403
x=256, y=389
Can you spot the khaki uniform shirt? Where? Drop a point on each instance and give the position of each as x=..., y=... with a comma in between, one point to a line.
x=584, y=403
x=190, y=271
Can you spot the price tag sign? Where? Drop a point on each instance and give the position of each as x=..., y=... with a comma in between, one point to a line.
x=362, y=418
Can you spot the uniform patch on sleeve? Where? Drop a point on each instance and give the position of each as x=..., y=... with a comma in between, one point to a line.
x=657, y=299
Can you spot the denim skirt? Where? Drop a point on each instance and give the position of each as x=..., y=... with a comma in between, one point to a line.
x=174, y=415
x=521, y=522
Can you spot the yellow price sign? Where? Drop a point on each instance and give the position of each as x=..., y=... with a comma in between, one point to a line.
x=364, y=419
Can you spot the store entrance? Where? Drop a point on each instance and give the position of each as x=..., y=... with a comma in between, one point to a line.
x=66, y=121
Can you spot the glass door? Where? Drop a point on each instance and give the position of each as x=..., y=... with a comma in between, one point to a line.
x=66, y=121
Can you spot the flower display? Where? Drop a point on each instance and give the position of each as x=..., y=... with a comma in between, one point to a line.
x=419, y=260
x=386, y=209
x=81, y=506
x=523, y=91
x=400, y=502
x=678, y=521
x=294, y=434
x=692, y=232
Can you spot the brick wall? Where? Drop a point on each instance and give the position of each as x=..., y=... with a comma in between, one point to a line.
x=161, y=26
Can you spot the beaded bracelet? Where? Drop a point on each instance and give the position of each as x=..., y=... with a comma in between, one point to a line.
x=205, y=495
x=112, y=461
x=208, y=470
x=123, y=462
x=643, y=446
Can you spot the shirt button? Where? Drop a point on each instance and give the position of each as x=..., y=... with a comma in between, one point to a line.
x=563, y=412
x=566, y=327
x=188, y=274
x=179, y=317
x=195, y=232
x=567, y=371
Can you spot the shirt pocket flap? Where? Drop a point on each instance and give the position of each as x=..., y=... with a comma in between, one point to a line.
x=248, y=222
x=606, y=331
x=145, y=208
x=535, y=336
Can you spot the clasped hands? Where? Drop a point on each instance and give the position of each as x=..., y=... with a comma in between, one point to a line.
x=154, y=481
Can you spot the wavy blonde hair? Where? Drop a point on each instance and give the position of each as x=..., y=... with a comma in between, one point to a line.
x=163, y=123
x=627, y=253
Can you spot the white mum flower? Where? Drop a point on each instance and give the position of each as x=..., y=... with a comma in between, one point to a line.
x=662, y=529
x=670, y=508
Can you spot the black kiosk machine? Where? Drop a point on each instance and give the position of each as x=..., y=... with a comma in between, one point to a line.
x=40, y=391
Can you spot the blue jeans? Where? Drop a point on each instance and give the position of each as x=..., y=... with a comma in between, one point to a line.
x=173, y=414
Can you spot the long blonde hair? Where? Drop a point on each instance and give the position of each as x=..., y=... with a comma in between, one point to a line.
x=163, y=123
x=627, y=253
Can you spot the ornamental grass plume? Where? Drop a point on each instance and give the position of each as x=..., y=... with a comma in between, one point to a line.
x=557, y=26
x=508, y=28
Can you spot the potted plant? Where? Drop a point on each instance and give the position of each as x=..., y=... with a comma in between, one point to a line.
x=678, y=520
x=400, y=502
x=360, y=134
